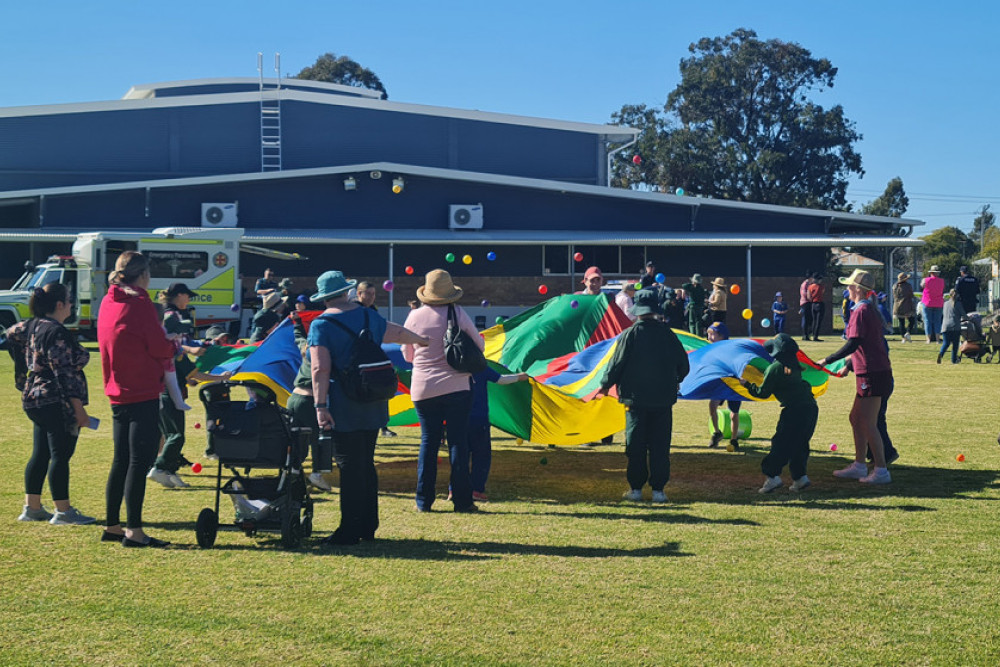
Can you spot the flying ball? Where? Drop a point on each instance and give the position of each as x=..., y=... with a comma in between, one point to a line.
x=467, y=259
x=574, y=304
x=960, y=458
x=450, y=257
x=636, y=160
x=734, y=289
x=578, y=256
x=660, y=278
x=409, y=270
x=486, y=303
x=765, y=323
x=747, y=313
x=388, y=285
x=491, y=255
x=196, y=468
x=638, y=286
x=235, y=307
x=543, y=290
x=396, y=189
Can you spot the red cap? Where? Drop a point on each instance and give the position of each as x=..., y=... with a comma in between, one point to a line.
x=592, y=271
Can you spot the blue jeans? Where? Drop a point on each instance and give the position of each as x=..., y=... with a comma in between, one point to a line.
x=932, y=321
x=434, y=413
x=950, y=339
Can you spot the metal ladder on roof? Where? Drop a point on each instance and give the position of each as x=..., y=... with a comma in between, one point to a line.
x=270, y=116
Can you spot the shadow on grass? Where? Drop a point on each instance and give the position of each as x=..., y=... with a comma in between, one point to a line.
x=409, y=549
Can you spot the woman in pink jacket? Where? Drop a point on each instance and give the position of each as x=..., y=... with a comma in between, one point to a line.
x=933, y=301
x=440, y=393
x=134, y=352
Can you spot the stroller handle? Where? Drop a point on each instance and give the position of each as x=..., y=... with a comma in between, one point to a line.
x=266, y=394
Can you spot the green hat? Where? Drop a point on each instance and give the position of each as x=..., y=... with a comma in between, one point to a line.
x=331, y=284
x=783, y=348
x=646, y=303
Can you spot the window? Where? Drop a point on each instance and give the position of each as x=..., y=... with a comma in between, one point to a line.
x=43, y=278
x=176, y=264
x=555, y=260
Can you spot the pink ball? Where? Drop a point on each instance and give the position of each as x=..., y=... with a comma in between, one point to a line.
x=387, y=286
x=833, y=447
x=636, y=160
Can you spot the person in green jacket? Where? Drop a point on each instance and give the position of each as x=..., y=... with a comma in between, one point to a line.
x=790, y=443
x=647, y=368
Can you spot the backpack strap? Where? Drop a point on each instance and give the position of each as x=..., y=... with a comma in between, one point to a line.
x=354, y=336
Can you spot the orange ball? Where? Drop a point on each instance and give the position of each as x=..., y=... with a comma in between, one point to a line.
x=409, y=270
x=735, y=289
x=960, y=458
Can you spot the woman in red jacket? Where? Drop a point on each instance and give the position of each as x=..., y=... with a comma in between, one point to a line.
x=134, y=353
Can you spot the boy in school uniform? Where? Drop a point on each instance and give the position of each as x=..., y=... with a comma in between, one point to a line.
x=779, y=309
x=647, y=368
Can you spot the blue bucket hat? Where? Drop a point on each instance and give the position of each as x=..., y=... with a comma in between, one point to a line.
x=331, y=284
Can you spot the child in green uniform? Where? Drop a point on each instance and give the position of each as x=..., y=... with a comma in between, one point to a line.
x=790, y=443
x=647, y=367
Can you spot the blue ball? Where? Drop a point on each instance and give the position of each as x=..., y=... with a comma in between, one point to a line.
x=765, y=323
x=235, y=307
x=491, y=255
x=660, y=278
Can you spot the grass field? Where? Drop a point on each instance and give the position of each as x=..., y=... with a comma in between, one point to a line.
x=557, y=570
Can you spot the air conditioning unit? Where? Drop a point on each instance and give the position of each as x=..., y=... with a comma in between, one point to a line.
x=465, y=216
x=218, y=215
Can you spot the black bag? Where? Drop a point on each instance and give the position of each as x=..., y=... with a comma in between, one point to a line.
x=369, y=376
x=460, y=351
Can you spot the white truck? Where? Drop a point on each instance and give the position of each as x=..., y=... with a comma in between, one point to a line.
x=206, y=260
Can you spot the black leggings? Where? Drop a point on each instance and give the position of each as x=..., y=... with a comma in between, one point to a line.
x=136, y=433
x=906, y=325
x=53, y=448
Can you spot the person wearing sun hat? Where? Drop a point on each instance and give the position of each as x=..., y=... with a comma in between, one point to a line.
x=870, y=361
x=902, y=306
x=353, y=426
x=717, y=300
x=440, y=393
x=932, y=299
x=647, y=367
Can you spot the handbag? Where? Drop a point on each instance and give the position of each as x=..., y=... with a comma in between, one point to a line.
x=460, y=351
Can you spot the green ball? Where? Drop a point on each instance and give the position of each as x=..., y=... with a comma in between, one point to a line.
x=500, y=319
x=638, y=286
x=450, y=257
x=544, y=461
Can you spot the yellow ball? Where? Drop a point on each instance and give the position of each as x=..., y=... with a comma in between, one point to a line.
x=747, y=314
x=467, y=259
x=397, y=189
x=519, y=441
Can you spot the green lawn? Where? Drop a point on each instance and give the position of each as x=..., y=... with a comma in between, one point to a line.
x=556, y=570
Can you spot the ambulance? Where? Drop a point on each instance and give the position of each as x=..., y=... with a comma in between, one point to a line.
x=206, y=260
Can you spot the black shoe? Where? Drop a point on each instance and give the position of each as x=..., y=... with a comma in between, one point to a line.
x=150, y=542
x=817, y=340
x=339, y=539
x=112, y=537
x=468, y=509
x=734, y=446
x=716, y=439
x=182, y=462
x=891, y=458
x=939, y=359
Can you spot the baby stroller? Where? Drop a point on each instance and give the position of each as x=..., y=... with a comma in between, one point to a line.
x=973, y=344
x=247, y=435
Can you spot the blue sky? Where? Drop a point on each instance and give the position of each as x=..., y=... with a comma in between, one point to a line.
x=920, y=79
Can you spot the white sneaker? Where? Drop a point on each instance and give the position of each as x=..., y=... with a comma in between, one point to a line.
x=770, y=484
x=877, y=476
x=856, y=470
x=659, y=497
x=71, y=517
x=800, y=484
x=634, y=495
x=161, y=476
x=177, y=481
x=907, y=338
x=317, y=480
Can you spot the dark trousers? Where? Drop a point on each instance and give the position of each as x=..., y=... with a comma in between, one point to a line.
x=480, y=455
x=818, y=311
x=303, y=410
x=647, y=446
x=695, y=325
x=53, y=447
x=172, y=426
x=779, y=324
x=136, y=434
x=790, y=443
x=354, y=452
x=906, y=325
x=805, y=310
x=452, y=409
x=883, y=430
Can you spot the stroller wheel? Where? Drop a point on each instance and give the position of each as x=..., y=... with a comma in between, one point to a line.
x=207, y=528
x=291, y=526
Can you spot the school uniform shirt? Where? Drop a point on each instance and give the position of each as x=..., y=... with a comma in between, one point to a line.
x=873, y=354
x=648, y=366
x=779, y=308
x=788, y=387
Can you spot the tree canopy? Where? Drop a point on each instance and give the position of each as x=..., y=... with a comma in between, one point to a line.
x=332, y=68
x=741, y=125
x=892, y=203
x=949, y=248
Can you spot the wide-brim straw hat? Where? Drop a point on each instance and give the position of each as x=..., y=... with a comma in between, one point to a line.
x=331, y=284
x=719, y=282
x=272, y=299
x=902, y=276
x=859, y=278
x=438, y=289
x=935, y=269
